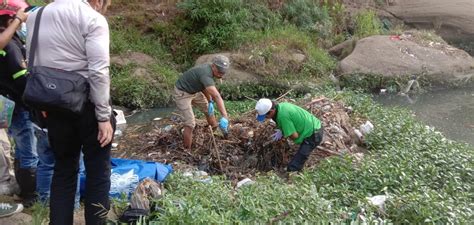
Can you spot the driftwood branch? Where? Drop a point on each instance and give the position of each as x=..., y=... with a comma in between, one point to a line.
x=216, y=152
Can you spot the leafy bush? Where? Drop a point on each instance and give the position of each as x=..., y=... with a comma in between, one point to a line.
x=367, y=24
x=142, y=92
x=254, y=90
x=214, y=24
x=307, y=15
x=260, y=17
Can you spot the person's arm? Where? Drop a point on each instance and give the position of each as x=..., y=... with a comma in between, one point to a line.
x=97, y=48
x=8, y=33
x=216, y=96
x=208, y=97
x=294, y=136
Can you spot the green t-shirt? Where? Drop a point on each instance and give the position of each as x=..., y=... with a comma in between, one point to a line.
x=292, y=118
x=196, y=79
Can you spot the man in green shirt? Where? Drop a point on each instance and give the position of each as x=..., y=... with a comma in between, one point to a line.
x=196, y=87
x=293, y=122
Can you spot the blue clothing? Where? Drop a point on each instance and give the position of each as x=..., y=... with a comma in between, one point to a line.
x=23, y=133
x=45, y=170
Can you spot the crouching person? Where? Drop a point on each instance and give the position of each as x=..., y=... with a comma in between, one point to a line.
x=293, y=122
x=196, y=87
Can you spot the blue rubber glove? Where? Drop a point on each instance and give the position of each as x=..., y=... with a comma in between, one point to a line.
x=224, y=124
x=277, y=135
x=210, y=108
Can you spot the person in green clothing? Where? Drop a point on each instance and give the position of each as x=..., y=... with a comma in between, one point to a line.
x=293, y=122
x=196, y=87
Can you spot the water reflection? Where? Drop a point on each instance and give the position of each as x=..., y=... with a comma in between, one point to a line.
x=450, y=111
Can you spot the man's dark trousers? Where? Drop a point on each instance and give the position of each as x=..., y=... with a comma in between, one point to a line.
x=308, y=145
x=67, y=136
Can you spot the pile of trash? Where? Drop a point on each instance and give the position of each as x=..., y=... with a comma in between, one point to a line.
x=248, y=148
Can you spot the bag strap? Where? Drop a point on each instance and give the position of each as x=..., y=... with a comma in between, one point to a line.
x=34, y=39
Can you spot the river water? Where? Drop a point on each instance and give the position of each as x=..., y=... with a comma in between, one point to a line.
x=450, y=111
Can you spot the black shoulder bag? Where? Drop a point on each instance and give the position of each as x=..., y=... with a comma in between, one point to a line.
x=50, y=89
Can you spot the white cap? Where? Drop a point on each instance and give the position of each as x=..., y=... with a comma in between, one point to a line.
x=263, y=106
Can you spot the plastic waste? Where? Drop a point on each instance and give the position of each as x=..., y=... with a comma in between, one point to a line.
x=359, y=134
x=6, y=111
x=378, y=200
x=120, y=117
x=200, y=176
x=366, y=128
x=118, y=133
x=168, y=128
x=246, y=181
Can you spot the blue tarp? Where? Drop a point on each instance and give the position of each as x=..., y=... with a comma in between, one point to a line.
x=127, y=174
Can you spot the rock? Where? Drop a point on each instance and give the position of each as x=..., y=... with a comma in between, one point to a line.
x=343, y=49
x=18, y=218
x=137, y=58
x=297, y=58
x=408, y=55
x=451, y=18
x=140, y=72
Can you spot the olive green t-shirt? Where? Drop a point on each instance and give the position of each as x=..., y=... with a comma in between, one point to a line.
x=196, y=79
x=292, y=118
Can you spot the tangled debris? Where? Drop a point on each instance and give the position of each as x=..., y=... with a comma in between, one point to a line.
x=249, y=148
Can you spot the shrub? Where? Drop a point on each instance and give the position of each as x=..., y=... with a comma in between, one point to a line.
x=214, y=24
x=307, y=15
x=260, y=17
x=142, y=92
x=367, y=24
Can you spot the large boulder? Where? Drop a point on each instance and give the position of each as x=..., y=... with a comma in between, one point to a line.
x=452, y=19
x=408, y=54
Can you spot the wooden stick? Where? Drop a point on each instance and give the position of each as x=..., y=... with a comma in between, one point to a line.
x=215, y=148
x=284, y=95
x=314, y=101
x=253, y=99
x=329, y=151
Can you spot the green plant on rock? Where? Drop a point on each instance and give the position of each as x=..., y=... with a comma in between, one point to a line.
x=367, y=24
x=307, y=15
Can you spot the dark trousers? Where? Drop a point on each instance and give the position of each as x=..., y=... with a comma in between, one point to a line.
x=308, y=145
x=67, y=136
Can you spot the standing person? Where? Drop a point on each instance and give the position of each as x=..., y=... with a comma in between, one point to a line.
x=293, y=122
x=12, y=85
x=45, y=170
x=74, y=36
x=7, y=209
x=197, y=87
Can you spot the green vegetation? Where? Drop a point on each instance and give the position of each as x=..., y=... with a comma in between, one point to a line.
x=428, y=180
x=367, y=24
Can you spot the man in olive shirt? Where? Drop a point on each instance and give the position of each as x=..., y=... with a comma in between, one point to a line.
x=196, y=87
x=293, y=122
